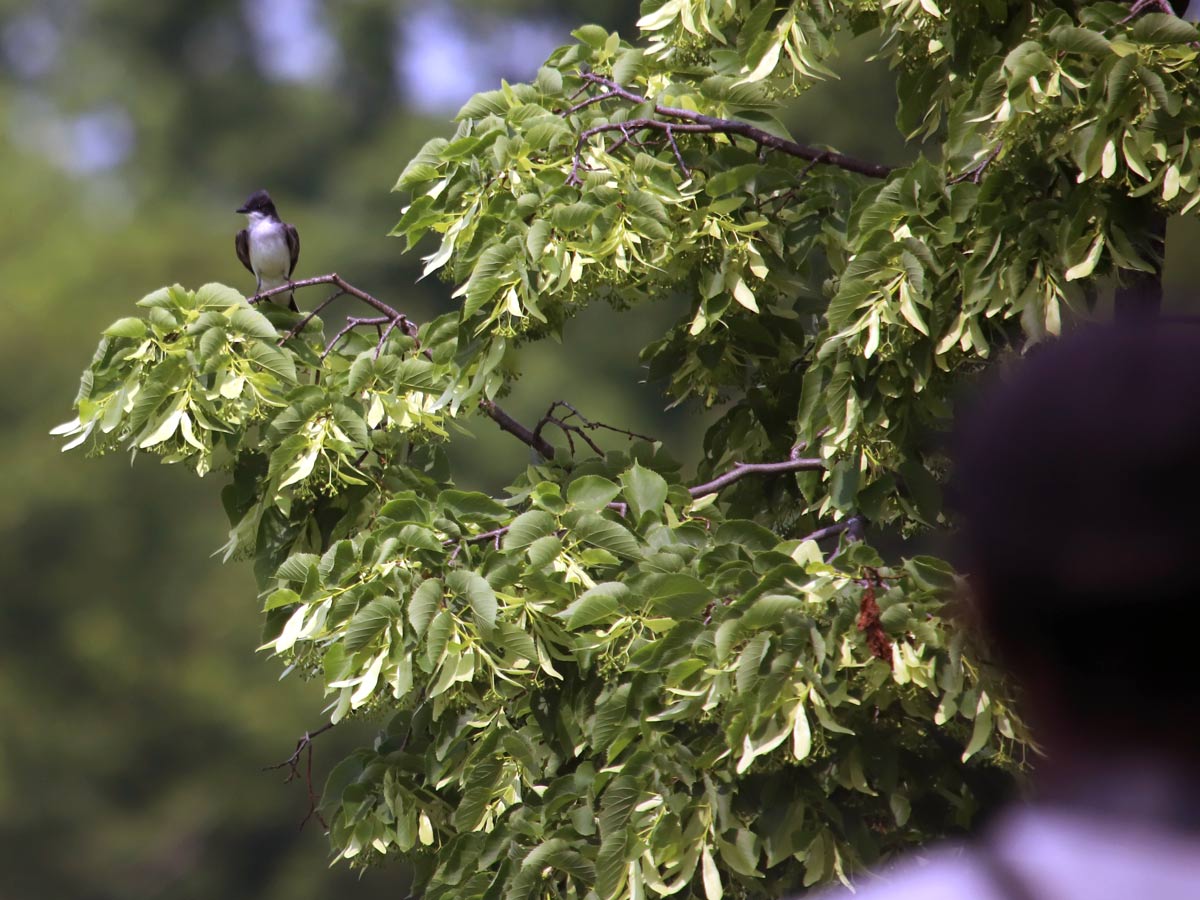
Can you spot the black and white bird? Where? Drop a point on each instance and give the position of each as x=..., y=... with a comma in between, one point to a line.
x=268, y=246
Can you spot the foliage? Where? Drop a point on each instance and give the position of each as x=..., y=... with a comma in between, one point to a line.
x=606, y=682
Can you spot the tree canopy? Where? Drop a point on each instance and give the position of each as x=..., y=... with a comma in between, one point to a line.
x=617, y=678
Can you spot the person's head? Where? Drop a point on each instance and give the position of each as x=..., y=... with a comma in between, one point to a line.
x=1077, y=478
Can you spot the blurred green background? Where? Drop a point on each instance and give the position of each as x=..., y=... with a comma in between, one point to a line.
x=135, y=715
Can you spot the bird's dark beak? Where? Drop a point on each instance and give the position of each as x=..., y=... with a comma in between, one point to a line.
x=242, y=209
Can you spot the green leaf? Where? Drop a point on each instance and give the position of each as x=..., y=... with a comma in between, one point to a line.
x=1087, y=265
x=250, y=322
x=679, y=597
x=219, y=296
x=628, y=66
x=296, y=567
x=612, y=717
x=645, y=491
x=601, y=604
x=272, y=359
x=371, y=621
x=548, y=496
x=480, y=595
x=527, y=528
x=593, y=528
x=487, y=103
x=471, y=506
x=424, y=604
x=1080, y=40
x=544, y=551
x=710, y=876
x=574, y=216
x=546, y=131
x=592, y=35
x=128, y=327
x=281, y=598
x=591, y=493
x=931, y=574
x=361, y=371
x=844, y=485
x=437, y=636
x=1160, y=28
x=516, y=641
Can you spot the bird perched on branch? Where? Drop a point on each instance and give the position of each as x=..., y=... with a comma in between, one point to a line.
x=268, y=246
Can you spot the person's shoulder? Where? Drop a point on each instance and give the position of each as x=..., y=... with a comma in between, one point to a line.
x=943, y=873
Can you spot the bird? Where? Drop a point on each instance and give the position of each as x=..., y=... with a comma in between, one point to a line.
x=268, y=246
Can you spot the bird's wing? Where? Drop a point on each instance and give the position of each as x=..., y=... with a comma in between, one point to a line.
x=241, y=243
x=293, y=242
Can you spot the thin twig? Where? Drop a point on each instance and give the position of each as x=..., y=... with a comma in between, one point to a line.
x=351, y=323
x=581, y=427
x=387, y=331
x=292, y=764
x=299, y=326
x=975, y=173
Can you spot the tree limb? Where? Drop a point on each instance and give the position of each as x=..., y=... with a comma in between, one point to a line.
x=507, y=423
x=337, y=281
x=742, y=470
x=581, y=427
x=837, y=528
x=389, y=321
x=1142, y=5
x=690, y=122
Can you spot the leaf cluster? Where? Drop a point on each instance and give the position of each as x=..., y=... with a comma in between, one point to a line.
x=598, y=684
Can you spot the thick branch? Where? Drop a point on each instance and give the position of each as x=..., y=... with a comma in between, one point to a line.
x=337, y=281
x=691, y=122
x=507, y=423
x=835, y=529
x=742, y=470
x=1142, y=5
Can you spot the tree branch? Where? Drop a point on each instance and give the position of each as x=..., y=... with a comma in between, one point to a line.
x=507, y=423
x=389, y=321
x=851, y=526
x=742, y=470
x=691, y=122
x=393, y=318
x=581, y=427
x=975, y=173
x=1142, y=5
x=353, y=322
x=837, y=528
x=292, y=763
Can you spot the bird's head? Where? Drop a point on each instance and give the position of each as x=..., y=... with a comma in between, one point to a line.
x=258, y=203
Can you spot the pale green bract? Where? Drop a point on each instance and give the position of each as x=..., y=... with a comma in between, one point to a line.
x=603, y=684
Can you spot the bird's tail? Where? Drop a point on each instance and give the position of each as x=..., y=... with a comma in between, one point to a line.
x=289, y=298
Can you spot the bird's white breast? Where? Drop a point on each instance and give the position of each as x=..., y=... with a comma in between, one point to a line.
x=269, y=254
